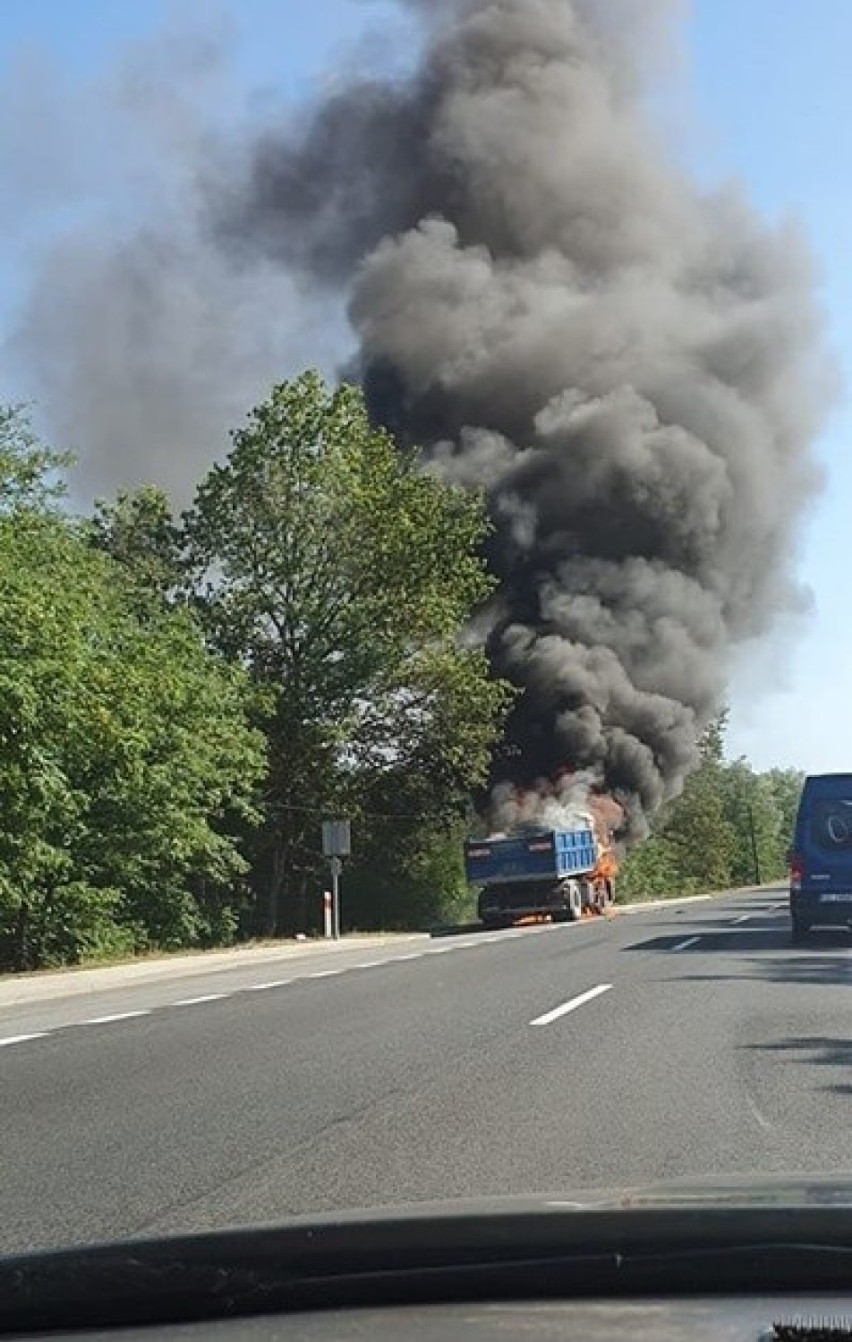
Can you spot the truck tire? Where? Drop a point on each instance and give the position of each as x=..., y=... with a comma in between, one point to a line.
x=603, y=895
x=574, y=902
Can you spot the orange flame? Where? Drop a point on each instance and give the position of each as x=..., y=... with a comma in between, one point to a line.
x=608, y=817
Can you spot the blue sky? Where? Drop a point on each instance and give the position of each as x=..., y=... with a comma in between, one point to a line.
x=766, y=97
x=772, y=102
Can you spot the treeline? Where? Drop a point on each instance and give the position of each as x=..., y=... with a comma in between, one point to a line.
x=183, y=699
x=730, y=827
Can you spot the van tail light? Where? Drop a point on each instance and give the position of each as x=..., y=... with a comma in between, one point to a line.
x=795, y=872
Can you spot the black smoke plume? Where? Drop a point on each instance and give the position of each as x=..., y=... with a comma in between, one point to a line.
x=631, y=367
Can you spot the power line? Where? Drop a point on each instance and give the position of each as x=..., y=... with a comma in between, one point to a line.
x=324, y=811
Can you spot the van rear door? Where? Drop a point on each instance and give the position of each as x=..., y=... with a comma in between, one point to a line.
x=824, y=838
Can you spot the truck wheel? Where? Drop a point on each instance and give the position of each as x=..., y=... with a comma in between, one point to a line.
x=599, y=900
x=574, y=900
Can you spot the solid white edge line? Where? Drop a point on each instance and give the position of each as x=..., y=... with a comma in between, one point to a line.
x=684, y=945
x=197, y=1001
x=118, y=1015
x=572, y=1005
x=324, y=973
x=23, y=1038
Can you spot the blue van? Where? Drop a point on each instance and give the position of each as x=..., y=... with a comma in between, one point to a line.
x=821, y=857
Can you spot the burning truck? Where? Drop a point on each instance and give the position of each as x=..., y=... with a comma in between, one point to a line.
x=564, y=872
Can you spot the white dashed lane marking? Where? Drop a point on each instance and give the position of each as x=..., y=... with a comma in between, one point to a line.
x=685, y=945
x=271, y=984
x=550, y=1016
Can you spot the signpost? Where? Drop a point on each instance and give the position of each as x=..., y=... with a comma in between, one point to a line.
x=336, y=844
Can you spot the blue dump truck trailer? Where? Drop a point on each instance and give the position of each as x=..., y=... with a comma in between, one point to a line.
x=550, y=872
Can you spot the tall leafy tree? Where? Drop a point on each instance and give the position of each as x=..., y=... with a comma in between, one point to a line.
x=785, y=786
x=139, y=531
x=32, y=475
x=730, y=827
x=697, y=828
x=124, y=748
x=757, y=824
x=327, y=562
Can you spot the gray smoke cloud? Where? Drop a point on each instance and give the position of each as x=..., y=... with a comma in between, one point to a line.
x=141, y=342
x=630, y=367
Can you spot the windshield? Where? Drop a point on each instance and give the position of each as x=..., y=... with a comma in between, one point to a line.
x=423, y=482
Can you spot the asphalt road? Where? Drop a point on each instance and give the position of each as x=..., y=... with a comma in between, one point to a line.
x=667, y=1044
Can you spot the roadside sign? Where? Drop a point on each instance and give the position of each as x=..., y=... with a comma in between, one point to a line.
x=336, y=844
x=336, y=838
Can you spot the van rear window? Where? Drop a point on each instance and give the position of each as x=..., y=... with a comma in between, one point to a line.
x=831, y=824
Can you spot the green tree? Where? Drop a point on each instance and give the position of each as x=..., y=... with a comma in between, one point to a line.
x=408, y=870
x=340, y=574
x=31, y=474
x=756, y=821
x=731, y=826
x=697, y=827
x=139, y=531
x=785, y=786
x=650, y=870
x=693, y=843
x=124, y=749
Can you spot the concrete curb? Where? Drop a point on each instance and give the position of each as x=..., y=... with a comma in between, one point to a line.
x=16, y=991
x=679, y=900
